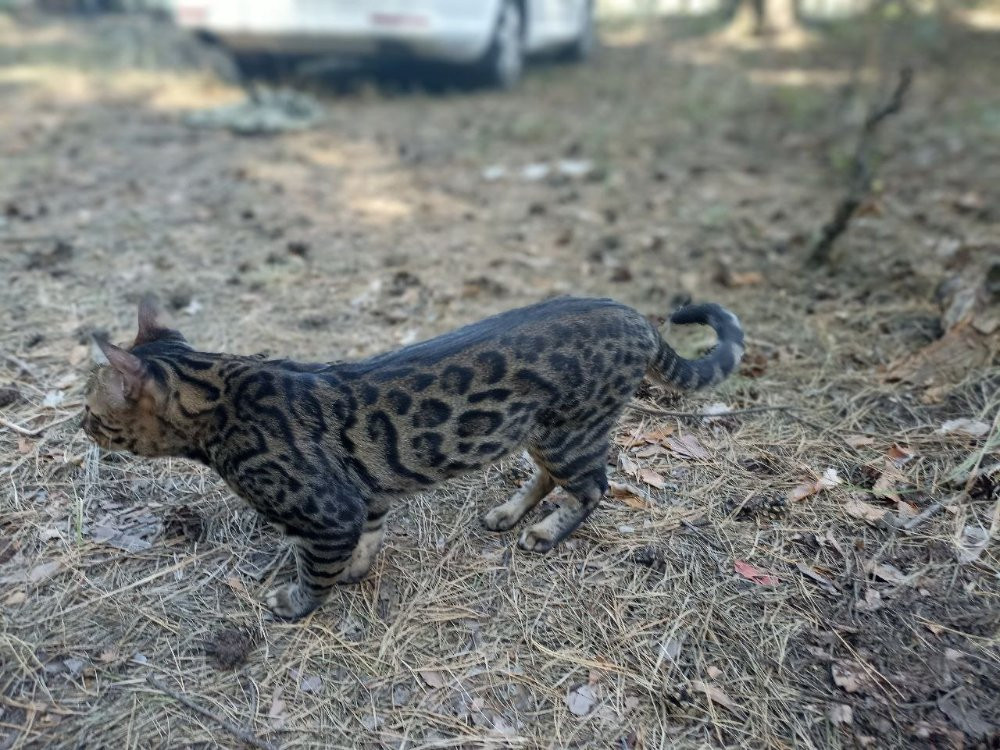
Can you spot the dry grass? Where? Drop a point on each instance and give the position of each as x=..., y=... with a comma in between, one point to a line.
x=458, y=639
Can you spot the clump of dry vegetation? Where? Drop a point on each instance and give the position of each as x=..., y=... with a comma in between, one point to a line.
x=805, y=557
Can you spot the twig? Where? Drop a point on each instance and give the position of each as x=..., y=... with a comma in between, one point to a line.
x=39, y=431
x=861, y=170
x=931, y=510
x=694, y=414
x=18, y=429
x=40, y=238
x=238, y=732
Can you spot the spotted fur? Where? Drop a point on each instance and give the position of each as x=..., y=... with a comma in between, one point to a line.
x=320, y=450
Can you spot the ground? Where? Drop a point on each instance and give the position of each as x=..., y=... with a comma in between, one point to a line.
x=744, y=585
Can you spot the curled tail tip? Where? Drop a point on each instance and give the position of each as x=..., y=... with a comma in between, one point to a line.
x=723, y=359
x=708, y=313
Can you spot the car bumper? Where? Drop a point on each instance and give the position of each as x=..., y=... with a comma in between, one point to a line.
x=363, y=35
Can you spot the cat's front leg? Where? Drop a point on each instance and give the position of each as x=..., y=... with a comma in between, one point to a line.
x=320, y=564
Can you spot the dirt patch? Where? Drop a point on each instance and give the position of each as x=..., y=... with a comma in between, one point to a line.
x=229, y=648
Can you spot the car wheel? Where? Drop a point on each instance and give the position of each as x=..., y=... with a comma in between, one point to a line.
x=504, y=60
x=582, y=48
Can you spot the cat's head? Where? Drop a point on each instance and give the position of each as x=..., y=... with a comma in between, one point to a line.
x=127, y=400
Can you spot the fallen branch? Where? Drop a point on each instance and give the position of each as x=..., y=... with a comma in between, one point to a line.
x=39, y=431
x=18, y=429
x=862, y=175
x=238, y=732
x=694, y=414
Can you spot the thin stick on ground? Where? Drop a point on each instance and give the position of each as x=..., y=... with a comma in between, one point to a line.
x=238, y=732
x=862, y=173
x=18, y=429
x=694, y=414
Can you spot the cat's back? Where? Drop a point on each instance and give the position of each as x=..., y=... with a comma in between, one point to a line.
x=542, y=325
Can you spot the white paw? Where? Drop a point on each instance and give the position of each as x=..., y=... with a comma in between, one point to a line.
x=536, y=539
x=500, y=518
x=286, y=603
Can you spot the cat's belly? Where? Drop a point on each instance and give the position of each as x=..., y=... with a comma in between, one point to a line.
x=401, y=463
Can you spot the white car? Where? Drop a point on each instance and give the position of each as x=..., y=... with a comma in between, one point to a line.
x=492, y=36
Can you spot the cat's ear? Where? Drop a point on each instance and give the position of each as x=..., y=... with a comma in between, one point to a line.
x=126, y=364
x=97, y=355
x=154, y=323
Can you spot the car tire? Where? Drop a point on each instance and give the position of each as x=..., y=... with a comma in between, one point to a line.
x=582, y=48
x=503, y=62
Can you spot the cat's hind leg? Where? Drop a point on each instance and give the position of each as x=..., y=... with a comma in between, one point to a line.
x=581, y=470
x=364, y=552
x=506, y=515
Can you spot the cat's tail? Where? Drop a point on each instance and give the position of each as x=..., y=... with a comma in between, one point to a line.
x=671, y=369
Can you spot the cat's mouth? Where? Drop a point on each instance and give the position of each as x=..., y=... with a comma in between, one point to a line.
x=93, y=428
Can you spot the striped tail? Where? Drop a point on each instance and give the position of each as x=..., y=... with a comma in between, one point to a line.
x=689, y=374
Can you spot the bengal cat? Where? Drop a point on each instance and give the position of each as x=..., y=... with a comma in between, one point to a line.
x=321, y=450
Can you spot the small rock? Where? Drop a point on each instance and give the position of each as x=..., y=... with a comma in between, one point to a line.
x=9, y=394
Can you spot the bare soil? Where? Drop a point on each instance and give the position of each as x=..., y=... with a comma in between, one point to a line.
x=720, y=598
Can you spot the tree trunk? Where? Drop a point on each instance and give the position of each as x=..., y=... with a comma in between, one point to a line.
x=765, y=18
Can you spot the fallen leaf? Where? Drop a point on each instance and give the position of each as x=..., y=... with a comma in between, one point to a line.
x=886, y=572
x=311, y=683
x=899, y=454
x=756, y=575
x=865, y=511
x=850, y=676
x=963, y=426
x=671, y=648
x=829, y=479
x=714, y=693
x=840, y=713
x=74, y=666
x=79, y=354
x=812, y=574
x=632, y=496
x=715, y=409
x=18, y=597
x=657, y=435
x=965, y=716
x=650, y=477
x=971, y=544
x=44, y=571
x=889, y=472
x=714, y=672
x=53, y=399
x=686, y=446
x=25, y=446
x=648, y=451
x=277, y=712
x=871, y=602
x=802, y=491
x=859, y=441
x=432, y=677
x=627, y=465
x=582, y=699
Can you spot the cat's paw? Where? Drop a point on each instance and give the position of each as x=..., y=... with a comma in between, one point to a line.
x=288, y=603
x=501, y=518
x=536, y=538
